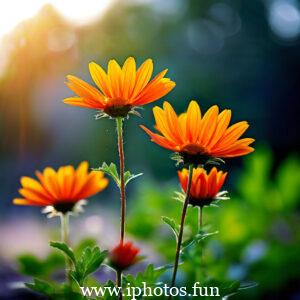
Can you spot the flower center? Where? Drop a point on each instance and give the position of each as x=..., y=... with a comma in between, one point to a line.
x=64, y=207
x=194, y=154
x=194, y=149
x=117, y=110
x=200, y=201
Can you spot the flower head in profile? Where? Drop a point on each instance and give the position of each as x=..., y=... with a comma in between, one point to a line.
x=120, y=89
x=61, y=191
x=124, y=255
x=205, y=187
x=199, y=139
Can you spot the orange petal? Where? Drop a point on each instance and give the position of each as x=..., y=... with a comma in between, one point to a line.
x=143, y=76
x=158, y=139
x=83, y=89
x=128, y=77
x=156, y=89
x=231, y=135
x=173, y=123
x=193, y=119
x=114, y=75
x=100, y=78
x=21, y=201
x=83, y=103
x=208, y=125
x=222, y=124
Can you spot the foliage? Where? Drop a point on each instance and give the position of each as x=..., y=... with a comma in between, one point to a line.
x=112, y=171
x=258, y=232
x=89, y=261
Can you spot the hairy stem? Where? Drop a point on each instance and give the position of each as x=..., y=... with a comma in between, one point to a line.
x=64, y=218
x=183, y=215
x=119, y=121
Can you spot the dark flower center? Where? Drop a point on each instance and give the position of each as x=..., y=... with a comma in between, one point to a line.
x=200, y=202
x=64, y=207
x=194, y=155
x=116, y=111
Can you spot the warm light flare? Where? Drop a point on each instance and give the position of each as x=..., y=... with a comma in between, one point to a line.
x=15, y=11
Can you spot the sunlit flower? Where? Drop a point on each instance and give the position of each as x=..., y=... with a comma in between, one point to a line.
x=199, y=139
x=124, y=255
x=61, y=191
x=205, y=187
x=121, y=89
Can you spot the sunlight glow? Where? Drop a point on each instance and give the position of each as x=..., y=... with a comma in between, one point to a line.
x=13, y=12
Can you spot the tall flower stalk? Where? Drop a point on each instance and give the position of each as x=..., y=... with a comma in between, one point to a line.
x=119, y=122
x=120, y=91
x=183, y=215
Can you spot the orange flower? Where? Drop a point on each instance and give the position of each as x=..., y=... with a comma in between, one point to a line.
x=198, y=139
x=62, y=189
x=124, y=255
x=121, y=89
x=205, y=187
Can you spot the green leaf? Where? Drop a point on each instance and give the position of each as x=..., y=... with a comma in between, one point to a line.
x=170, y=222
x=110, y=170
x=64, y=248
x=150, y=276
x=180, y=196
x=88, y=263
x=36, y=267
x=42, y=287
x=128, y=176
x=197, y=238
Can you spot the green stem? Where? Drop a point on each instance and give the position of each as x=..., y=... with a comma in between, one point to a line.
x=119, y=283
x=119, y=121
x=200, y=217
x=183, y=215
x=199, y=247
x=64, y=219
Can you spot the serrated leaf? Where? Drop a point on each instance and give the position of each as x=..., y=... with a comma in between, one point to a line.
x=170, y=222
x=128, y=176
x=64, y=248
x=110, y=170
x=88, y=263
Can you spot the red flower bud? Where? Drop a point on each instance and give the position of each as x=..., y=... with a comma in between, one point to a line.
x=123, y=256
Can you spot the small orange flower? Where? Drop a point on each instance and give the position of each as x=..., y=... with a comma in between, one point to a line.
x=62, y=189
x=124, y=255
x=121, y=89
x=198, y=139
x=205, y=187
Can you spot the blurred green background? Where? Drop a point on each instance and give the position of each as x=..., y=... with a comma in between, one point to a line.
x=242, y=55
